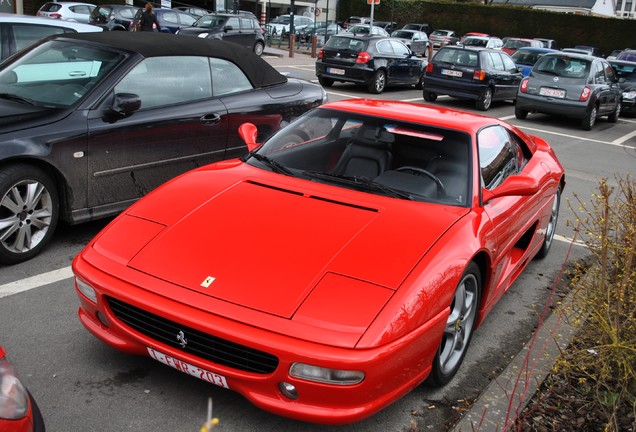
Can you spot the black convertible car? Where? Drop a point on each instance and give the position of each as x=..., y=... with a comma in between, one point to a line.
x=91, y=122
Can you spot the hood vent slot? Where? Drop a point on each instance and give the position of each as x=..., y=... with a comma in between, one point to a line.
x=319, y=198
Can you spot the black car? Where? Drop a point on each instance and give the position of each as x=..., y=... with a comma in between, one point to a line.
x=626, y=72
x=241, y=30
x=481, y=74
x=91, y=122
x=373, y=61
x=113, y=17
x=426, y=28
x=573, y=85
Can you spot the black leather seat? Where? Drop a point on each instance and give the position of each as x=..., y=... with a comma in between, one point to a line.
x=367, y=155
x=452, y=174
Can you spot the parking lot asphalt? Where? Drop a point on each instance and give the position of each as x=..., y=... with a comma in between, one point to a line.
x=507, y=395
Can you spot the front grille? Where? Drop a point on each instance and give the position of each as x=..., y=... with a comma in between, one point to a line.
x=200, y=344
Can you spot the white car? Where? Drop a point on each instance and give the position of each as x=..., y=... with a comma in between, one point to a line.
x=24, y=30
x=67, y=11
x=483, y=41
x=366, y=28
x=280, y=25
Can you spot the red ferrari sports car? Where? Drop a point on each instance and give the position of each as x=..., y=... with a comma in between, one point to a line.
x=18, y=410
x=336, y=266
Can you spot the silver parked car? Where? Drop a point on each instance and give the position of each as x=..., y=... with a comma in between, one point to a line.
x=417, y=41
x=68, y=11
x=573, y=85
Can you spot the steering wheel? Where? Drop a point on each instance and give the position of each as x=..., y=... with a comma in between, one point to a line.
x=421, y=171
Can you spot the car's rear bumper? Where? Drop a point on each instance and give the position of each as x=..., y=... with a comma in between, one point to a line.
x=552, y=106
x=455, y=88
x=356, y=74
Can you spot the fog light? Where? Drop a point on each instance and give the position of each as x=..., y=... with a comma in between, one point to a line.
x=102, y=319
x=288, y=390
x=326, y=375
x=86, y=289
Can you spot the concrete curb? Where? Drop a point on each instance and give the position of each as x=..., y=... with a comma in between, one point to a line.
x=508, y=394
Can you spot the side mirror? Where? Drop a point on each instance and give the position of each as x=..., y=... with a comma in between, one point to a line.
x=228, y=28
x=248, y=133
x=512, y=186
x=125, y=104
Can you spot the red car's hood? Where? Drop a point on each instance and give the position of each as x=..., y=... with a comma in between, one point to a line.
x=266, y=247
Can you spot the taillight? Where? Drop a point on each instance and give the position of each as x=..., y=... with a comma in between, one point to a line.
x=524, y=85
x=320, y=54
x=479, y=75
x=363, y=57
x=585, y=94
x=58, y=16
x=429, y=68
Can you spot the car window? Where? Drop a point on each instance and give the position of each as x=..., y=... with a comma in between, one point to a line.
x=609, y=73
x=170, y=17
x=509, y=65
x=384, y=47
x=501, y=155
x=174, y=80
x=186, y=19
x=399, y=48
x=497, y=62
x=227, y=78
x=233, y=22
x=247, y=23
x=80, y=9
x=599, y=73
x=57, y=73
x=127, y=13
x=27, y=34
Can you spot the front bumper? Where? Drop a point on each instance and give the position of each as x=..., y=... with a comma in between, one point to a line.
x=390, y=371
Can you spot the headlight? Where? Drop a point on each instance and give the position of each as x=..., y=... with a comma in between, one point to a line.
x=629, y=94
x=325, y=375
x=14, y=399
x=202, y=35
x=86, y=289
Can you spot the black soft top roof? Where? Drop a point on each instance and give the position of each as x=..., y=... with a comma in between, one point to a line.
x=151, y=44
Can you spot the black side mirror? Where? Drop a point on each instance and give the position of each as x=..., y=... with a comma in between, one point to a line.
x=125, y=104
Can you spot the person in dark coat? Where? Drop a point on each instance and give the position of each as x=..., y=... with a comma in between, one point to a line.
x=148, y=20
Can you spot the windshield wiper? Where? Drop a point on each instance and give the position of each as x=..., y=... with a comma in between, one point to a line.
x=275, y=166
x=360, y=182
x=14, y=97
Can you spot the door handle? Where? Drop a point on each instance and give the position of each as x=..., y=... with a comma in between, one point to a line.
x=211, y=119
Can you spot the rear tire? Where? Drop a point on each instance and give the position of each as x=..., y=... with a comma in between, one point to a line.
x=613, y=117
x=521, y=114
x=589, y=120
x=485, y=100
x=378, y=82
x=459, y=327
x=551, y=227
x=325, y=82
x=429, y=97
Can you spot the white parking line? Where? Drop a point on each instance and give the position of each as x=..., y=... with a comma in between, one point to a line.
x=617, y=142
x=35, y=281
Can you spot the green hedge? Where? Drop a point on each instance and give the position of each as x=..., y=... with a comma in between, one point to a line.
x=567, y=29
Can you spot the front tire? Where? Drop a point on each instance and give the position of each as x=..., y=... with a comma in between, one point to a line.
x=378, y=82
x=551, y=227
x=485, y=100
x=459, y=327
x=259, y=47
x=29, y=211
